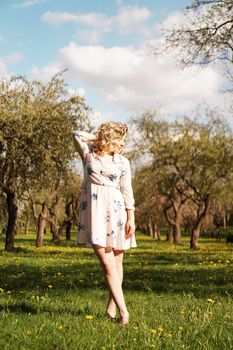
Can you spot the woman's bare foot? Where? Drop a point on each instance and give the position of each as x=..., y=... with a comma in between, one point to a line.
x=108, y=317
x=124, y=319
x=111, y=313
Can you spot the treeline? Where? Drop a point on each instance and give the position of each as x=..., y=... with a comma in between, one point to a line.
x=187, y=180
x=184, y=180
x=38, y=183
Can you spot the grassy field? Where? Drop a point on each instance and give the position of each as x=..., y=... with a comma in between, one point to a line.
x=54, y=297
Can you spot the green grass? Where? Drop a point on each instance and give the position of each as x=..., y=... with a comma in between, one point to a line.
x=177, y=298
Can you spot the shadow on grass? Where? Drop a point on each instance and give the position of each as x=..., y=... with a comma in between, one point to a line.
x=27, y=308
x=147, y=269
x=159, y=277
x=19, y=308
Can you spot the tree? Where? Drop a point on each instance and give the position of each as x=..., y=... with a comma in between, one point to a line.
x=149, y=203
x=36, y=120
x=167, y=163
x=210, y=154
x=194, y=161
x=206, y=34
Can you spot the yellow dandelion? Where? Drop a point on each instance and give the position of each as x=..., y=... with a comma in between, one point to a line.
x=9, y=292
x=210, y=301
x=161, y=329
x=153, y=331
x=1, y=290
x=50, y=286
x=181, y=328
x=169, y=335
x=60, y=327
x=81, y=281
x=89, y=317
x=59, y=273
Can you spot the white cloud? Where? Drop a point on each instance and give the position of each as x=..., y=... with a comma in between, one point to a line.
x=3, y=67
x=46, y=72
x=59, y=18
x=129, y=19
x=135, y=80
x=14, y=57
x=81, y=92
x=29, y=3
x=90, y=36
x=6, y=60
x=132, y=19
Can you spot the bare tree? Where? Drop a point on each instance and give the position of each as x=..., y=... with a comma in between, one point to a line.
x=205, y=34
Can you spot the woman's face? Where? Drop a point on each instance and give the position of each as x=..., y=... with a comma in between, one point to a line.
x=118, y=144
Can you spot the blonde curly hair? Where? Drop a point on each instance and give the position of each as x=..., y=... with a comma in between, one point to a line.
x=106, y=134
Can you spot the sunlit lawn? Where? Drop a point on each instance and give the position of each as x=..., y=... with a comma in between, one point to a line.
x=54, y=297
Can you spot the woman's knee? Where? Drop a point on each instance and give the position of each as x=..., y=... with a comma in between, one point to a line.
x=119, y=257
x=109, y=265
x=107, y=259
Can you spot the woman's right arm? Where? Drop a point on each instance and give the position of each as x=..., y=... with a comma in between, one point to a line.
x=81, y=140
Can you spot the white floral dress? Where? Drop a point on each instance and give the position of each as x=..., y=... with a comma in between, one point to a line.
x=106, y=193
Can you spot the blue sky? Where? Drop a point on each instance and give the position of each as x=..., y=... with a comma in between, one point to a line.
x=106, y=45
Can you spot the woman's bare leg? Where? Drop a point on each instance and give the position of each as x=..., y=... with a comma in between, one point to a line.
x=111, y=306
x=108, y=262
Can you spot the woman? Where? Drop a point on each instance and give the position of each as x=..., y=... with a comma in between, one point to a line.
x=106, y=215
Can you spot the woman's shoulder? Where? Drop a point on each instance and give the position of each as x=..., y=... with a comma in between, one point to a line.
x=123, y=159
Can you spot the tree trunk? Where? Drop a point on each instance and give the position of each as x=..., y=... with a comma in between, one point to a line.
x=12, y=209
x=42, y=219
x=194, y=238
x=225, y=219
x=177, y=233
x=68, y=228
x=53, y=220
x=169, y=234
x=26, y=227
x=197, y=227
x=61, y=229
x=150, y=227
x=175, y=221
x=67, y=223
x=53, y=228
x=158, y=233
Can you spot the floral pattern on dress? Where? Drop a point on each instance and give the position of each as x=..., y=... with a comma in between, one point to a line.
x=112, y=177
x=106, y=194
x=120, y=224
x=117, y=205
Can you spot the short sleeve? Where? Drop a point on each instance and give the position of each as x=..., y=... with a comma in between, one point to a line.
x=81, y=140
x=126, y=184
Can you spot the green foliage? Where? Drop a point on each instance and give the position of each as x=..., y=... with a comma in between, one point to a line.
x=190, y=164
x=55, y=297
x=36, y=121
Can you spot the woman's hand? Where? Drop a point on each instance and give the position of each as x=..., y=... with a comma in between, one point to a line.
x=129, y=227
